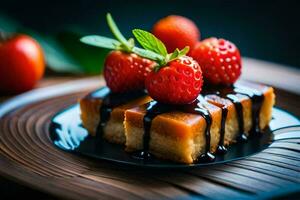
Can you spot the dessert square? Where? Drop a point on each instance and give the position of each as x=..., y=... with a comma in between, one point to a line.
x=185, y=133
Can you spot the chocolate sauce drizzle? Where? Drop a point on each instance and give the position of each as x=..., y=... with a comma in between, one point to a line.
x=221, y=147
x=154, y=108
x=197, y=107
x=257, y=99
x=239, y=111
x=109, y=101
x=230, y=94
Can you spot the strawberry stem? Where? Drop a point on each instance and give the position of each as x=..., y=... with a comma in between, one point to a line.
x=126, y=45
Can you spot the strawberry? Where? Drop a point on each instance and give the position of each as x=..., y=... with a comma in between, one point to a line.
x=219, y=59
x=176, y=32
x=179, y=82
x=126, y=71
x=176, y=79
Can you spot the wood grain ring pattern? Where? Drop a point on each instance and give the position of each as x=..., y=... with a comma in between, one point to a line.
x=28, y=155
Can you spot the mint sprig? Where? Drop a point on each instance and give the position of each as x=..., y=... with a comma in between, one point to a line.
x=147, y=54
x=154, y=49
x=101, y=41
x=115, y=30
x=119, y=43
x=150, y=42
x=126, y=45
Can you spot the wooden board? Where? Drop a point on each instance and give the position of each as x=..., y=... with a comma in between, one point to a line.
x=28, y=156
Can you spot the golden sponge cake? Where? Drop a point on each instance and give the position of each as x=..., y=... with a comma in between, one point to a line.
x=174, y=135
x=219, y=117
x=113, y=129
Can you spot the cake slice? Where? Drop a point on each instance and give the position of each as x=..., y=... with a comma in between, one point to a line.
x=251, y=122
x=180, y=135
x=102, y=113
x=218, y=118
x=177, y=134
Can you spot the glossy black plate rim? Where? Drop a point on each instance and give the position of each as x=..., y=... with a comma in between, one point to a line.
x=170, y=165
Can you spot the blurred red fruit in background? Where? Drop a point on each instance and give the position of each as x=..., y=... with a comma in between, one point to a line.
x=22, y=63
x=176, y=32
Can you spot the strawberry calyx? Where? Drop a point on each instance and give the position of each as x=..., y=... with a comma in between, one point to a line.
x=151, y=43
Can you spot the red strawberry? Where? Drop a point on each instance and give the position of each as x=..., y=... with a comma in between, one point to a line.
x=126, y=71
x=176, y=32
x=219, y=59
x=179, y=82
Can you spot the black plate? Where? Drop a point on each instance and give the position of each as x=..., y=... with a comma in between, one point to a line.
x=68, y=134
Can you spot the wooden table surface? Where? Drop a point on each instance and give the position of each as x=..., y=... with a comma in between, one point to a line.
x=287, y=98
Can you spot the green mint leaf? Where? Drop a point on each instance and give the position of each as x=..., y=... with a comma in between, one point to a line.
x=150, y=42
x=148, y=54
x=100, y=41
x=115, y=30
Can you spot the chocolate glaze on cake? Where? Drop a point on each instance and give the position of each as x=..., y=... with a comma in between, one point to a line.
x=198, y=107
x=221, y=148
x=257, y=99
x=109, y=101
x=230, y=93
x=154, y=108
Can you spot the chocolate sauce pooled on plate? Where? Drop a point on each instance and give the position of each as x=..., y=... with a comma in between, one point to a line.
x=109, y=101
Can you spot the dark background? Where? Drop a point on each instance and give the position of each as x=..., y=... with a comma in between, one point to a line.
x=266, y=30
